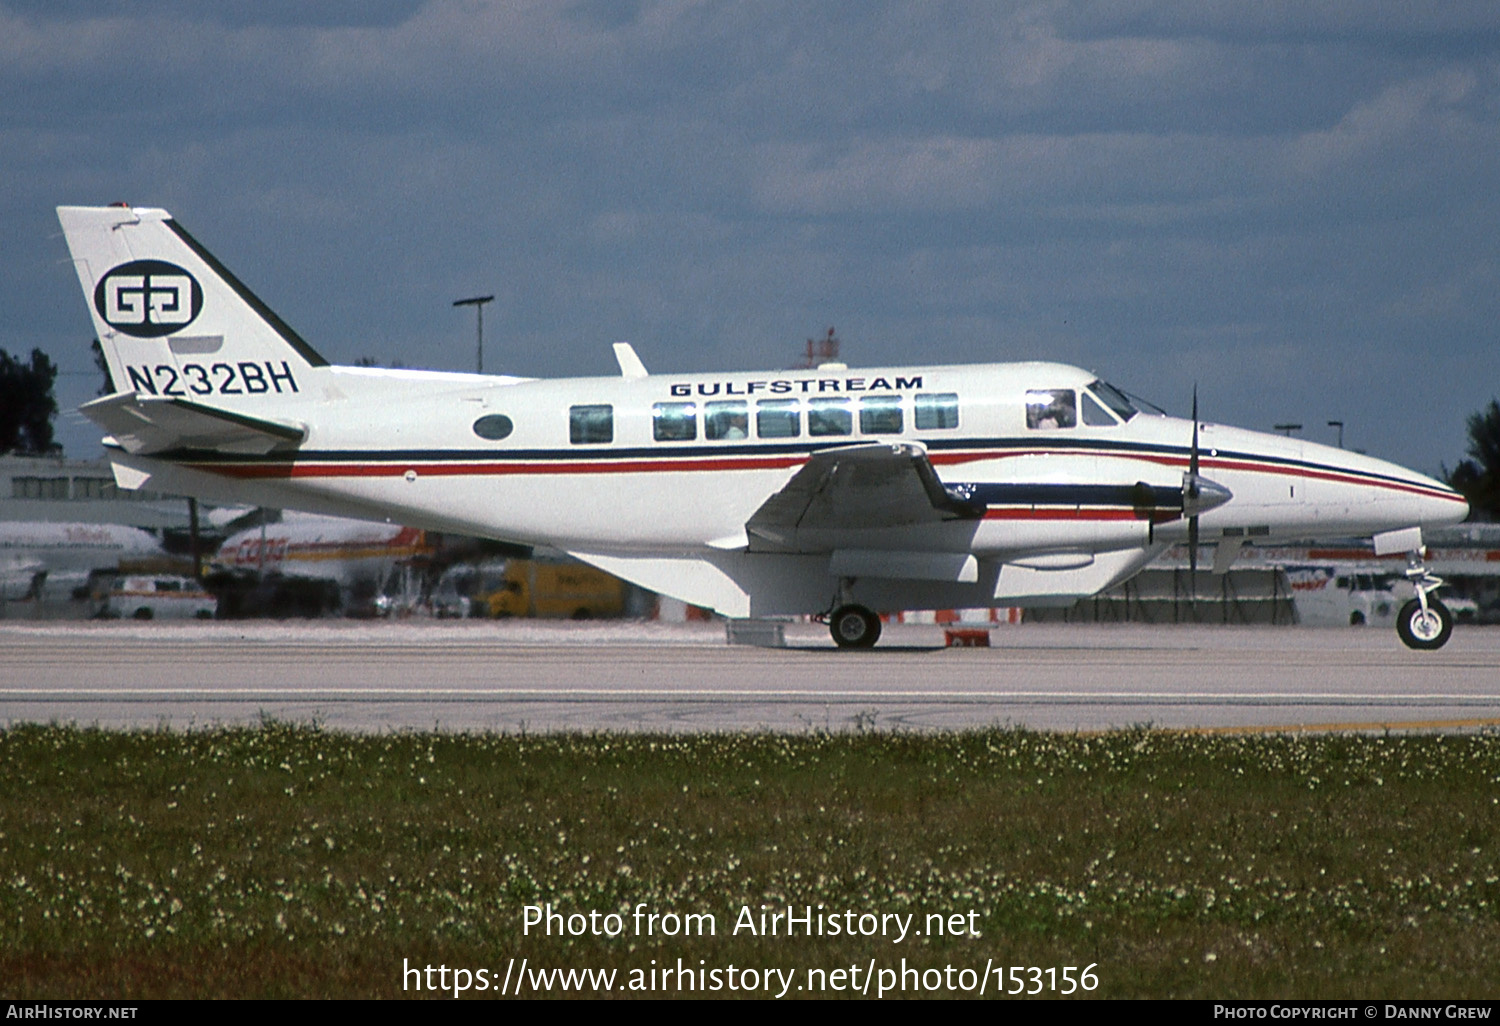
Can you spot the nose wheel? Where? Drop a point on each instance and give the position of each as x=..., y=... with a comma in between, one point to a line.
x=854, y=627
x=1424, y=628
x=1424, y=622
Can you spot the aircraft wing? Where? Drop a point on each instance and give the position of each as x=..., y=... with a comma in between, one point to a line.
x=149, y=424
x=851, y=489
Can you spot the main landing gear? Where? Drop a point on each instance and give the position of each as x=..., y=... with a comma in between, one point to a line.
x=1424, y=622
x=854, y=626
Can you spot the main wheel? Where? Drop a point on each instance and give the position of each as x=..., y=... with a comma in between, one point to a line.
x=854, y=627
x=1425, y=630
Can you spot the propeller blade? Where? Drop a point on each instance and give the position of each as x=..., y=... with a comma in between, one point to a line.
x=1193, y=452
x=1193, y=491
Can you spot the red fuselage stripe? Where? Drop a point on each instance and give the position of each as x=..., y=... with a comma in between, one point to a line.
x=780, y=462
x=1035, y=513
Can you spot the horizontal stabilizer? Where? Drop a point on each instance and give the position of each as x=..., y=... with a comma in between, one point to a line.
x=150, y=424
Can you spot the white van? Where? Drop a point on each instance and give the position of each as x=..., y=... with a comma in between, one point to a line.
x=1326, y=596
x=158, y=597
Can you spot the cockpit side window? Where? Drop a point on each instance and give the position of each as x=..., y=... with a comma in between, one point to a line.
x=1051, y=408
x=1093, y=413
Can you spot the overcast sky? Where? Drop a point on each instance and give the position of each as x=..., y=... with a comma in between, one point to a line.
x=1294, y=205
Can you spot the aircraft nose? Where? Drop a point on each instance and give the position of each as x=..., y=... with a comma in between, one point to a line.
x=1360, y=493
x=1446, y=507
x=1426, y=502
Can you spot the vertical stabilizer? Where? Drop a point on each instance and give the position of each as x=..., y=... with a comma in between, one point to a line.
x=173, y=321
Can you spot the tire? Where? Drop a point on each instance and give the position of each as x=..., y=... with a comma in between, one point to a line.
x=143, y=613
x=854, y=627
x=1356, y=619
x=1424, y=631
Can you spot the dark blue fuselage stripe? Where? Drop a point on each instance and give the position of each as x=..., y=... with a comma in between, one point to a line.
x=1070, y=495
x=996, y=448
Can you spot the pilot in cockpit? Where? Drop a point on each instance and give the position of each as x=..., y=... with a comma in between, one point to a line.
x=1050, y=409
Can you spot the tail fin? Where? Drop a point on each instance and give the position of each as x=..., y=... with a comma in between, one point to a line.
x=172, y=320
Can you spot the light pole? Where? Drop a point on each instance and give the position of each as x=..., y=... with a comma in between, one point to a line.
x=477, y=302
x=1340, y=425
x=1287, y=429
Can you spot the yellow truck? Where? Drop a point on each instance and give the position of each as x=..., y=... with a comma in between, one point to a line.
x=556, y=590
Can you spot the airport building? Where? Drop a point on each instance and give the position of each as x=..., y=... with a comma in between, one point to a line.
x=58, y=490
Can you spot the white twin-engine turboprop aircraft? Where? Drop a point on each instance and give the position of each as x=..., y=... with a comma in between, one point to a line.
x=831, y=491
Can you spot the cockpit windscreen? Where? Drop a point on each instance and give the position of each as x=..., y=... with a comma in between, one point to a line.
x=1112, y=397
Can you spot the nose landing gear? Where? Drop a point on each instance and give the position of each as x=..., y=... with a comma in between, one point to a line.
x=1424, y=622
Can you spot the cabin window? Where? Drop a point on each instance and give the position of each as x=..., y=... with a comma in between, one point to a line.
x=674, y=422
x=1093, y=413
x=729, y=420
x=591, y=424
x=936, y=411
x=829, y=417
x=880, y=415
x=494, y=427
x=778, y=418
x=1051, y=408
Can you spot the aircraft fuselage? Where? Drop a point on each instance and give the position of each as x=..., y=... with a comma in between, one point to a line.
x=794, y=491
x=406, y=446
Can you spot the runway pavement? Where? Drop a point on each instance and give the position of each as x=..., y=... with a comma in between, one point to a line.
x=519, y=676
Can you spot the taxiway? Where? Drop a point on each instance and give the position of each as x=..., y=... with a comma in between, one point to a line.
x=544, y=677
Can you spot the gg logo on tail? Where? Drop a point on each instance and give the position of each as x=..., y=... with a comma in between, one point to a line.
x=148, y=298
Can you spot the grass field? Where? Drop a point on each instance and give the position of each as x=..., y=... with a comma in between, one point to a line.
x=284, y=861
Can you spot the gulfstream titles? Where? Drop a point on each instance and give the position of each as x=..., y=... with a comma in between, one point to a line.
x=766, y=921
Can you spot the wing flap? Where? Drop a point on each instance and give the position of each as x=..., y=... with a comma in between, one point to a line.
x=149, y=424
